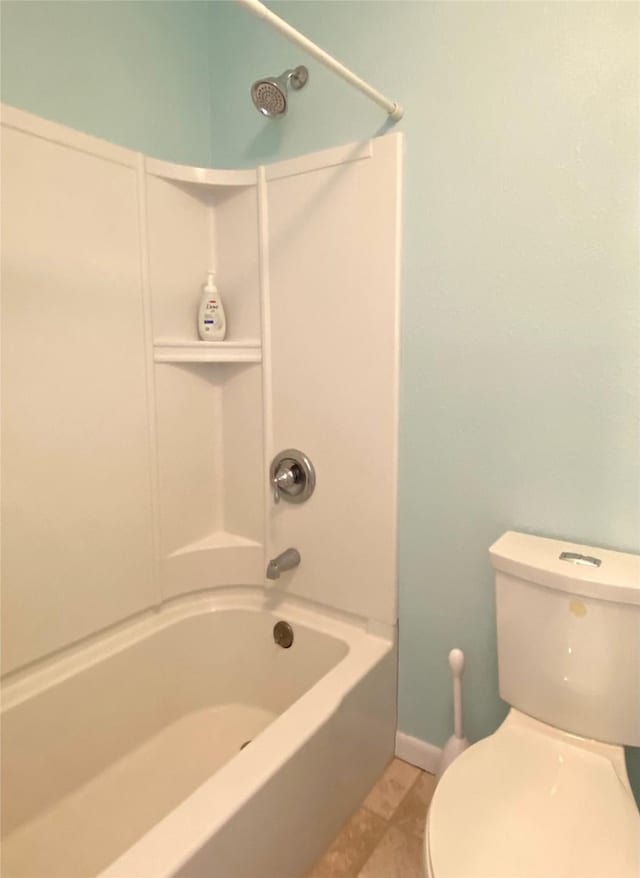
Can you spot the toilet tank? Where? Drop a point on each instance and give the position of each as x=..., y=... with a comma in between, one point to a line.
x=568, y=622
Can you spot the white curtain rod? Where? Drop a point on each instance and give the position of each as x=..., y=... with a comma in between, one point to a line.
x=393, y=108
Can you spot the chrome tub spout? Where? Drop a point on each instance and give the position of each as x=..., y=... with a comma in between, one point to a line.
x=286, y=560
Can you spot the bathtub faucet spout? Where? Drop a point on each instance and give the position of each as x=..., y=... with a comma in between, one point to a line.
x=286, y=560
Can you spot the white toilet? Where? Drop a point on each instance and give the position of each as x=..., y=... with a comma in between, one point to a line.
x=547, y=795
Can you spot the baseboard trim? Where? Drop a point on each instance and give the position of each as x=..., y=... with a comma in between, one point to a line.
x=420, y=753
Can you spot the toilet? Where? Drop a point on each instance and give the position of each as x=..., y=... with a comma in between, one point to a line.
x=548, y=795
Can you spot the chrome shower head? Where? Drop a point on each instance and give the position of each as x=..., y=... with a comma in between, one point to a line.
x=270, y=94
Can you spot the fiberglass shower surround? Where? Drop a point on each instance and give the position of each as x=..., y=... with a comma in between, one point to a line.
x=184, y=515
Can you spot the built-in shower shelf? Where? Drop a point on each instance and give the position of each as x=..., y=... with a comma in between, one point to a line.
x=247, y=350
x=213, y=177
x=219, y=559
x=219, y=539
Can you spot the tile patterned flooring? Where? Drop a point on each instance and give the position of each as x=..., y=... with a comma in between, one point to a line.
x=383, y=838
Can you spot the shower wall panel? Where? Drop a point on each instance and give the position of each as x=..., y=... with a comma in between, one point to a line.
x=77, y=533
x=334, y=256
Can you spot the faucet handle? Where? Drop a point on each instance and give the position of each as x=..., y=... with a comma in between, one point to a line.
x=292, y=476
x=284, y=478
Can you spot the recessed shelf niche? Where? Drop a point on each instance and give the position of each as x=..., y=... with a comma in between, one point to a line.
x=210, y=475
x=208, y=394
x=194, y=226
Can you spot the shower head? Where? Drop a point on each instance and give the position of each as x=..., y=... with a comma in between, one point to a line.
x=270, y=94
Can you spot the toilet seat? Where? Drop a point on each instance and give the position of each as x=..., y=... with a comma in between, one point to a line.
x=531, y=801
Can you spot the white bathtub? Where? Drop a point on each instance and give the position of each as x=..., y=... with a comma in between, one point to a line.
x=123, y=758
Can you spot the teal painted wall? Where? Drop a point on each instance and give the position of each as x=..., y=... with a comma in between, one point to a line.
x=135, y=73
x=520, y=351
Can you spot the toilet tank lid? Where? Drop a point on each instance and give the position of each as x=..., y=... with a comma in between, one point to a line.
x=570, y=567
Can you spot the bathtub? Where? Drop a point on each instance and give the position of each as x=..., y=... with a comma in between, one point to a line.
x=124, y=758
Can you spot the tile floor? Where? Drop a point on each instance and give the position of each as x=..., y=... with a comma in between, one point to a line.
x=383, y=838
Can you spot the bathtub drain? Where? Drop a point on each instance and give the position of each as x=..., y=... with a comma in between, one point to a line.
x=283, y=634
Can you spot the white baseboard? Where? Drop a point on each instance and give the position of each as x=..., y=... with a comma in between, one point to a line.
x=420, y=753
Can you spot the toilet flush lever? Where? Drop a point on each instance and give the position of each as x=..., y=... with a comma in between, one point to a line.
x=577, y=558
x=292, y=476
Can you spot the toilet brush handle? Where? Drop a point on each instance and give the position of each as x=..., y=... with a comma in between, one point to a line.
x=456, y=663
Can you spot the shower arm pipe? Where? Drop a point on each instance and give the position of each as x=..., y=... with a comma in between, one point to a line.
x=393, y=108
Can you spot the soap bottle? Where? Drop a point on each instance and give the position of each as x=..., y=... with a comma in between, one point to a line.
x=212, y=325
